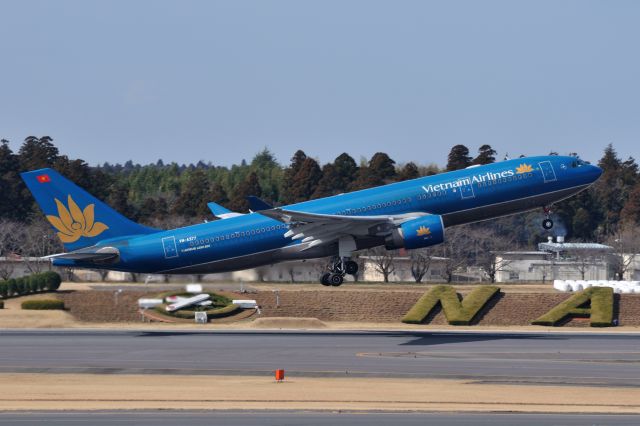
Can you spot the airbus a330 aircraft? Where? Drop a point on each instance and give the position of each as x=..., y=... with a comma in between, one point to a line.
x=410, y=214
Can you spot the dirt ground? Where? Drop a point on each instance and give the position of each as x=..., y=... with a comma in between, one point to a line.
x=303, y=306
x=113, y=392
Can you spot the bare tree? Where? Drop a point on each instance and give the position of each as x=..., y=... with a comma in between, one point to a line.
x=489, y=251
x=625, y=241
x=8, y=240
x=582, y=259
x=420, y=263
x=383, y=261
x=455, y=251
x=38, y=240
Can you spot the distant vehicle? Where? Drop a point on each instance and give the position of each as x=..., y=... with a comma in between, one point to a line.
x=410, y=214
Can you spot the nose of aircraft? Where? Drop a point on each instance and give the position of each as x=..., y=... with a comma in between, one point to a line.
x=593, y=172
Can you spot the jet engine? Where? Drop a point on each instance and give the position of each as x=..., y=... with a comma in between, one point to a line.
x=424, y=231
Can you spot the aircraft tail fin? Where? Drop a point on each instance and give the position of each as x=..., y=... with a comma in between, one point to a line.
x=80, y=219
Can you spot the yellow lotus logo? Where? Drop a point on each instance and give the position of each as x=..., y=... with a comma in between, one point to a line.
x=524, y=168
x=423, y=231
x=73, y=223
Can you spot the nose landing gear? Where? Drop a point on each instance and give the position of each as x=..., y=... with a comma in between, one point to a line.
x=547, y=223
x=340, y=266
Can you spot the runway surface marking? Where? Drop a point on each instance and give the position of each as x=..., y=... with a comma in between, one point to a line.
x=553, y=358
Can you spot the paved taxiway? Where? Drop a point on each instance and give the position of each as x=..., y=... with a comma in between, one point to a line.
x=293, y=418
x=558, y=358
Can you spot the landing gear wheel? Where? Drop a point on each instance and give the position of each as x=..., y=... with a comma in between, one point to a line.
x=547, y=224
x=336, y=280
x=351, y=267
x=324, y=280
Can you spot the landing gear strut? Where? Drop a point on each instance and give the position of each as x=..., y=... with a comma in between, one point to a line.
x=339, y=267
x=547, y=223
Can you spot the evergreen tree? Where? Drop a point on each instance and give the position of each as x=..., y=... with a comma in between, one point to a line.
x=458, y=158
x=269, y=173
x=301, y=178
x=250, y=186
x=408, y=172
x=305, y=182
x=609, y=189
x=37, y=153
x=119, y=200
x=337, y=177
x=16, y=203
x=486, y=155
x=631, y=210
x=195, y=194
x=382, y=167
x=329, y=183
x=346, y=169
x=380, y=170
x=218, y=194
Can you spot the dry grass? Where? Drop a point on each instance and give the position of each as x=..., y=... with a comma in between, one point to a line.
x=109, y=392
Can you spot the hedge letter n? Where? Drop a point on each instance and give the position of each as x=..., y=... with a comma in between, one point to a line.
x=456, y=312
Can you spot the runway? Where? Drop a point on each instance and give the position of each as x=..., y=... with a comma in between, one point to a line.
x=293, y=418
x=490, y=357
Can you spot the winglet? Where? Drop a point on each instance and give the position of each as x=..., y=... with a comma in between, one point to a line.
x=220, y=212
x=256, y=204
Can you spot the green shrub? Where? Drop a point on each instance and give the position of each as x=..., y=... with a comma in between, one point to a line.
x=21, y=286
x=456, y=312
x=43, y=304
x=51, y=280
x=600, y=312
x=12, y=288
x=32, y=284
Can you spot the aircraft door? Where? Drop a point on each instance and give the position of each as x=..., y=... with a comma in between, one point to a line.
x=548, y=173
x=169, y=245
x=466, y=191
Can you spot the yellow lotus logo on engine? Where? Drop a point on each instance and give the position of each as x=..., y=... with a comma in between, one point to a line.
x=73, y=223
x=524, y=168
x=423, y=231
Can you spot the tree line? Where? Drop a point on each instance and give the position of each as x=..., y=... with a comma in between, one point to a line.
x=169, y=195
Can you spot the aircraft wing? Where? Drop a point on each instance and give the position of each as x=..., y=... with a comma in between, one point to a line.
x=316, y=229
x=257, y=204
x=89, y=254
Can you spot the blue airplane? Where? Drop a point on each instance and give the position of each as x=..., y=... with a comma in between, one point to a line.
x=410, y=214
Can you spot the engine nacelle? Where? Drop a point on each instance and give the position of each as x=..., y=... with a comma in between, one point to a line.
x=422, y=232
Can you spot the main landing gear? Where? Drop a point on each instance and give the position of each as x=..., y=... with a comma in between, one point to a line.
x=547, y=223
x=339, y=267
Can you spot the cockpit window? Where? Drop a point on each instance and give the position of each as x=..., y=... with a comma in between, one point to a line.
x=577, y=163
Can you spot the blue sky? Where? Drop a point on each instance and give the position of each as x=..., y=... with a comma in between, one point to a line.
x=218, y=81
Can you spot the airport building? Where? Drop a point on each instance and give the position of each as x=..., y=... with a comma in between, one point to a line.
x=557, y=260
x=553, y=260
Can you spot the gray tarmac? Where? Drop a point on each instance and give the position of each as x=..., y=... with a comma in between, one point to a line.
x=531, y=358
x=296, y=418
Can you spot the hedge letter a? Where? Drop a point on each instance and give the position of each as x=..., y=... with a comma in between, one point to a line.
x=600, y=312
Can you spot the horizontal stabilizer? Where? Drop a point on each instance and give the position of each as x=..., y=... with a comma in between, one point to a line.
x=90, y=254
x=257, y=204
x=221, y=212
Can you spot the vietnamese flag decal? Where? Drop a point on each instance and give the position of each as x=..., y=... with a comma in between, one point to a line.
x=44, y=178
